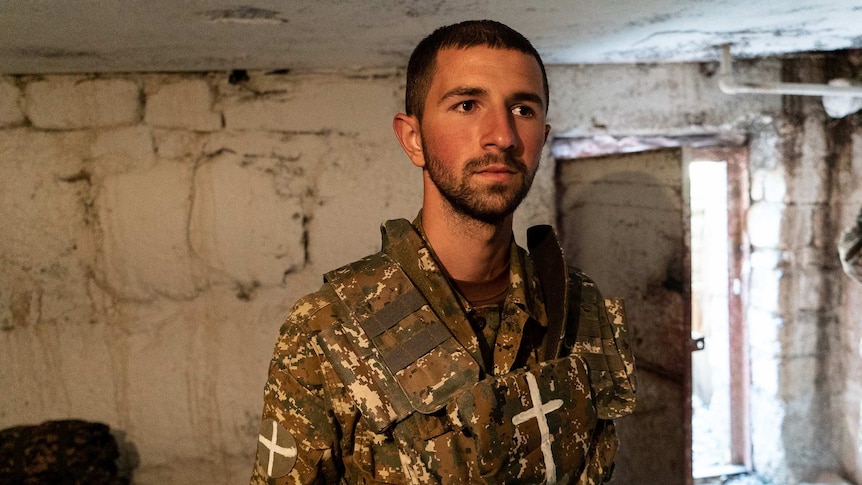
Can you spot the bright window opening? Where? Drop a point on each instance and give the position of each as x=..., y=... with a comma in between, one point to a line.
x=711, y=397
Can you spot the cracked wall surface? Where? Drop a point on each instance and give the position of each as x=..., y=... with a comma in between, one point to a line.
x=158, y=227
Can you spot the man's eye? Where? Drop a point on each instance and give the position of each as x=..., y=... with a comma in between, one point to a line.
x=522, y=111
x=465, y=106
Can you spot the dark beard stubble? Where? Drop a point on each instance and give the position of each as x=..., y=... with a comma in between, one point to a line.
x=487, y=203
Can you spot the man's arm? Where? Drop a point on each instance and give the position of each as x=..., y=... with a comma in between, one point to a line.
x=297, y=441
x=850, y=249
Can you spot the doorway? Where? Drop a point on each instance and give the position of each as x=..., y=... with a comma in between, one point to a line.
x=616, y=218
x=721, y=444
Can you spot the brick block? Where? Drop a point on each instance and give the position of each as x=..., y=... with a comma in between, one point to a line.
x=765, y=291
x=765, y=369
x=800, y=338
x=185, y=104
x=850, y=176
x=144, y=221
x=764, y=224
x=161, y=404
x=120, y=150
x=178, y=144
x=10, y=104
x=809, y=289
x=809, y=181
x=809, y=185
x=242, y=225
x=763, y=150
x=799, y=376
x=765, y=259
x=318, y=104
x=68, y=103
x=295, y=162
x=359, y=189
x=798, y=229
x=768, y=186
x=856, y=157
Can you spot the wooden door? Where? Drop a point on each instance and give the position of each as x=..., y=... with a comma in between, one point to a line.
x=624, y=220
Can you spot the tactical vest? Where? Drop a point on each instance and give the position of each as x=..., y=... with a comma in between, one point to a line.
x=410, y=375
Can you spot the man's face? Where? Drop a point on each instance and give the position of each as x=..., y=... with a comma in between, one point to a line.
x=483, y=130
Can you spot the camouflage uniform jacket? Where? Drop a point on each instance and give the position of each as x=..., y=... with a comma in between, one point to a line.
x=850, y=250
x=373, y=381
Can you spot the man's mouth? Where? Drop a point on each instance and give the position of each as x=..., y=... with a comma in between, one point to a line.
x=496, y=165
x=497, y=168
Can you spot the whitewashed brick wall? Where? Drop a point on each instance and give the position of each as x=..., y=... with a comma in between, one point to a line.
x=157, y=229
x=68, y=103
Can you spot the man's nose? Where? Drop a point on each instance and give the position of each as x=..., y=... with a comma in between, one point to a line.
x=499, y=130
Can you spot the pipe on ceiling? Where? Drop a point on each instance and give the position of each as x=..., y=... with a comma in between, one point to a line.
x=729, y=85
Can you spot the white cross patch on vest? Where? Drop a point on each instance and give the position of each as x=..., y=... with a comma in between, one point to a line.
x=539, y=411
x=276, y=449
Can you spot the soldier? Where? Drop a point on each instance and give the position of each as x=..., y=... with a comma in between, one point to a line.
x=451, y=356
x=850, y=249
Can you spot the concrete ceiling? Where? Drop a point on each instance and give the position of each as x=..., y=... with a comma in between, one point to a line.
x=51, y=36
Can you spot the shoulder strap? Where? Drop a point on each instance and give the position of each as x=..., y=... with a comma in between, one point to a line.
x=561, y=289
x=576, y=285
x=582, y=322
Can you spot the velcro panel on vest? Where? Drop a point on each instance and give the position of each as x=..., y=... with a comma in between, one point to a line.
x=368, y=381
x=397, y=330
x=603, y=343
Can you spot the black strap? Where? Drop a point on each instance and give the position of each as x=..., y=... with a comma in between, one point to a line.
x=561, y=289
x=575, y=285
x=551, y=268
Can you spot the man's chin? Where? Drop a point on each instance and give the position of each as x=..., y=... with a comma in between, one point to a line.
x=491, y=213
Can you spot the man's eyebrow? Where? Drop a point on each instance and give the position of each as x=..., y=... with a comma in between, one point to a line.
x=460, y=91
x=529, y=97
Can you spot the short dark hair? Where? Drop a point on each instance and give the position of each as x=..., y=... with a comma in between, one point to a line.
x=472, y=33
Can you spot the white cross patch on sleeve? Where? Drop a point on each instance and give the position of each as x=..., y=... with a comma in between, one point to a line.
x=276, y=449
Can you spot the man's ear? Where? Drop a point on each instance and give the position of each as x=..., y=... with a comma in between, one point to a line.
x=407, y=130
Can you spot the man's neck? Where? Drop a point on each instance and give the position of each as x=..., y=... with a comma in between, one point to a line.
x=469, y=250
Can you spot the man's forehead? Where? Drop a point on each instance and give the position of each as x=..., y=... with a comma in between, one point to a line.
x=450, y=54
x=455, y=65
x=484, y=57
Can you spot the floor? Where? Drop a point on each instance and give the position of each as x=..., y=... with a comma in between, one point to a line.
x=711, y=446
x=733, y=480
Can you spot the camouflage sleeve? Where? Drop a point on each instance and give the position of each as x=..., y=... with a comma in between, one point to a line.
x=298, y=438
x=850, y=250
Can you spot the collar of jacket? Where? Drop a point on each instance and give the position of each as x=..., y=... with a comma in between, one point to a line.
x=406, y=244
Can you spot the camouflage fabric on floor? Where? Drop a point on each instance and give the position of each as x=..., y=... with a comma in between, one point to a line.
x=59, y=452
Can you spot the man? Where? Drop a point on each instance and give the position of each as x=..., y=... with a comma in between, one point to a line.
x=438, y=360
x=850, y=249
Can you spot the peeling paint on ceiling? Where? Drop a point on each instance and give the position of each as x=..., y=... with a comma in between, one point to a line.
x=43, y=36
x=244, y=14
